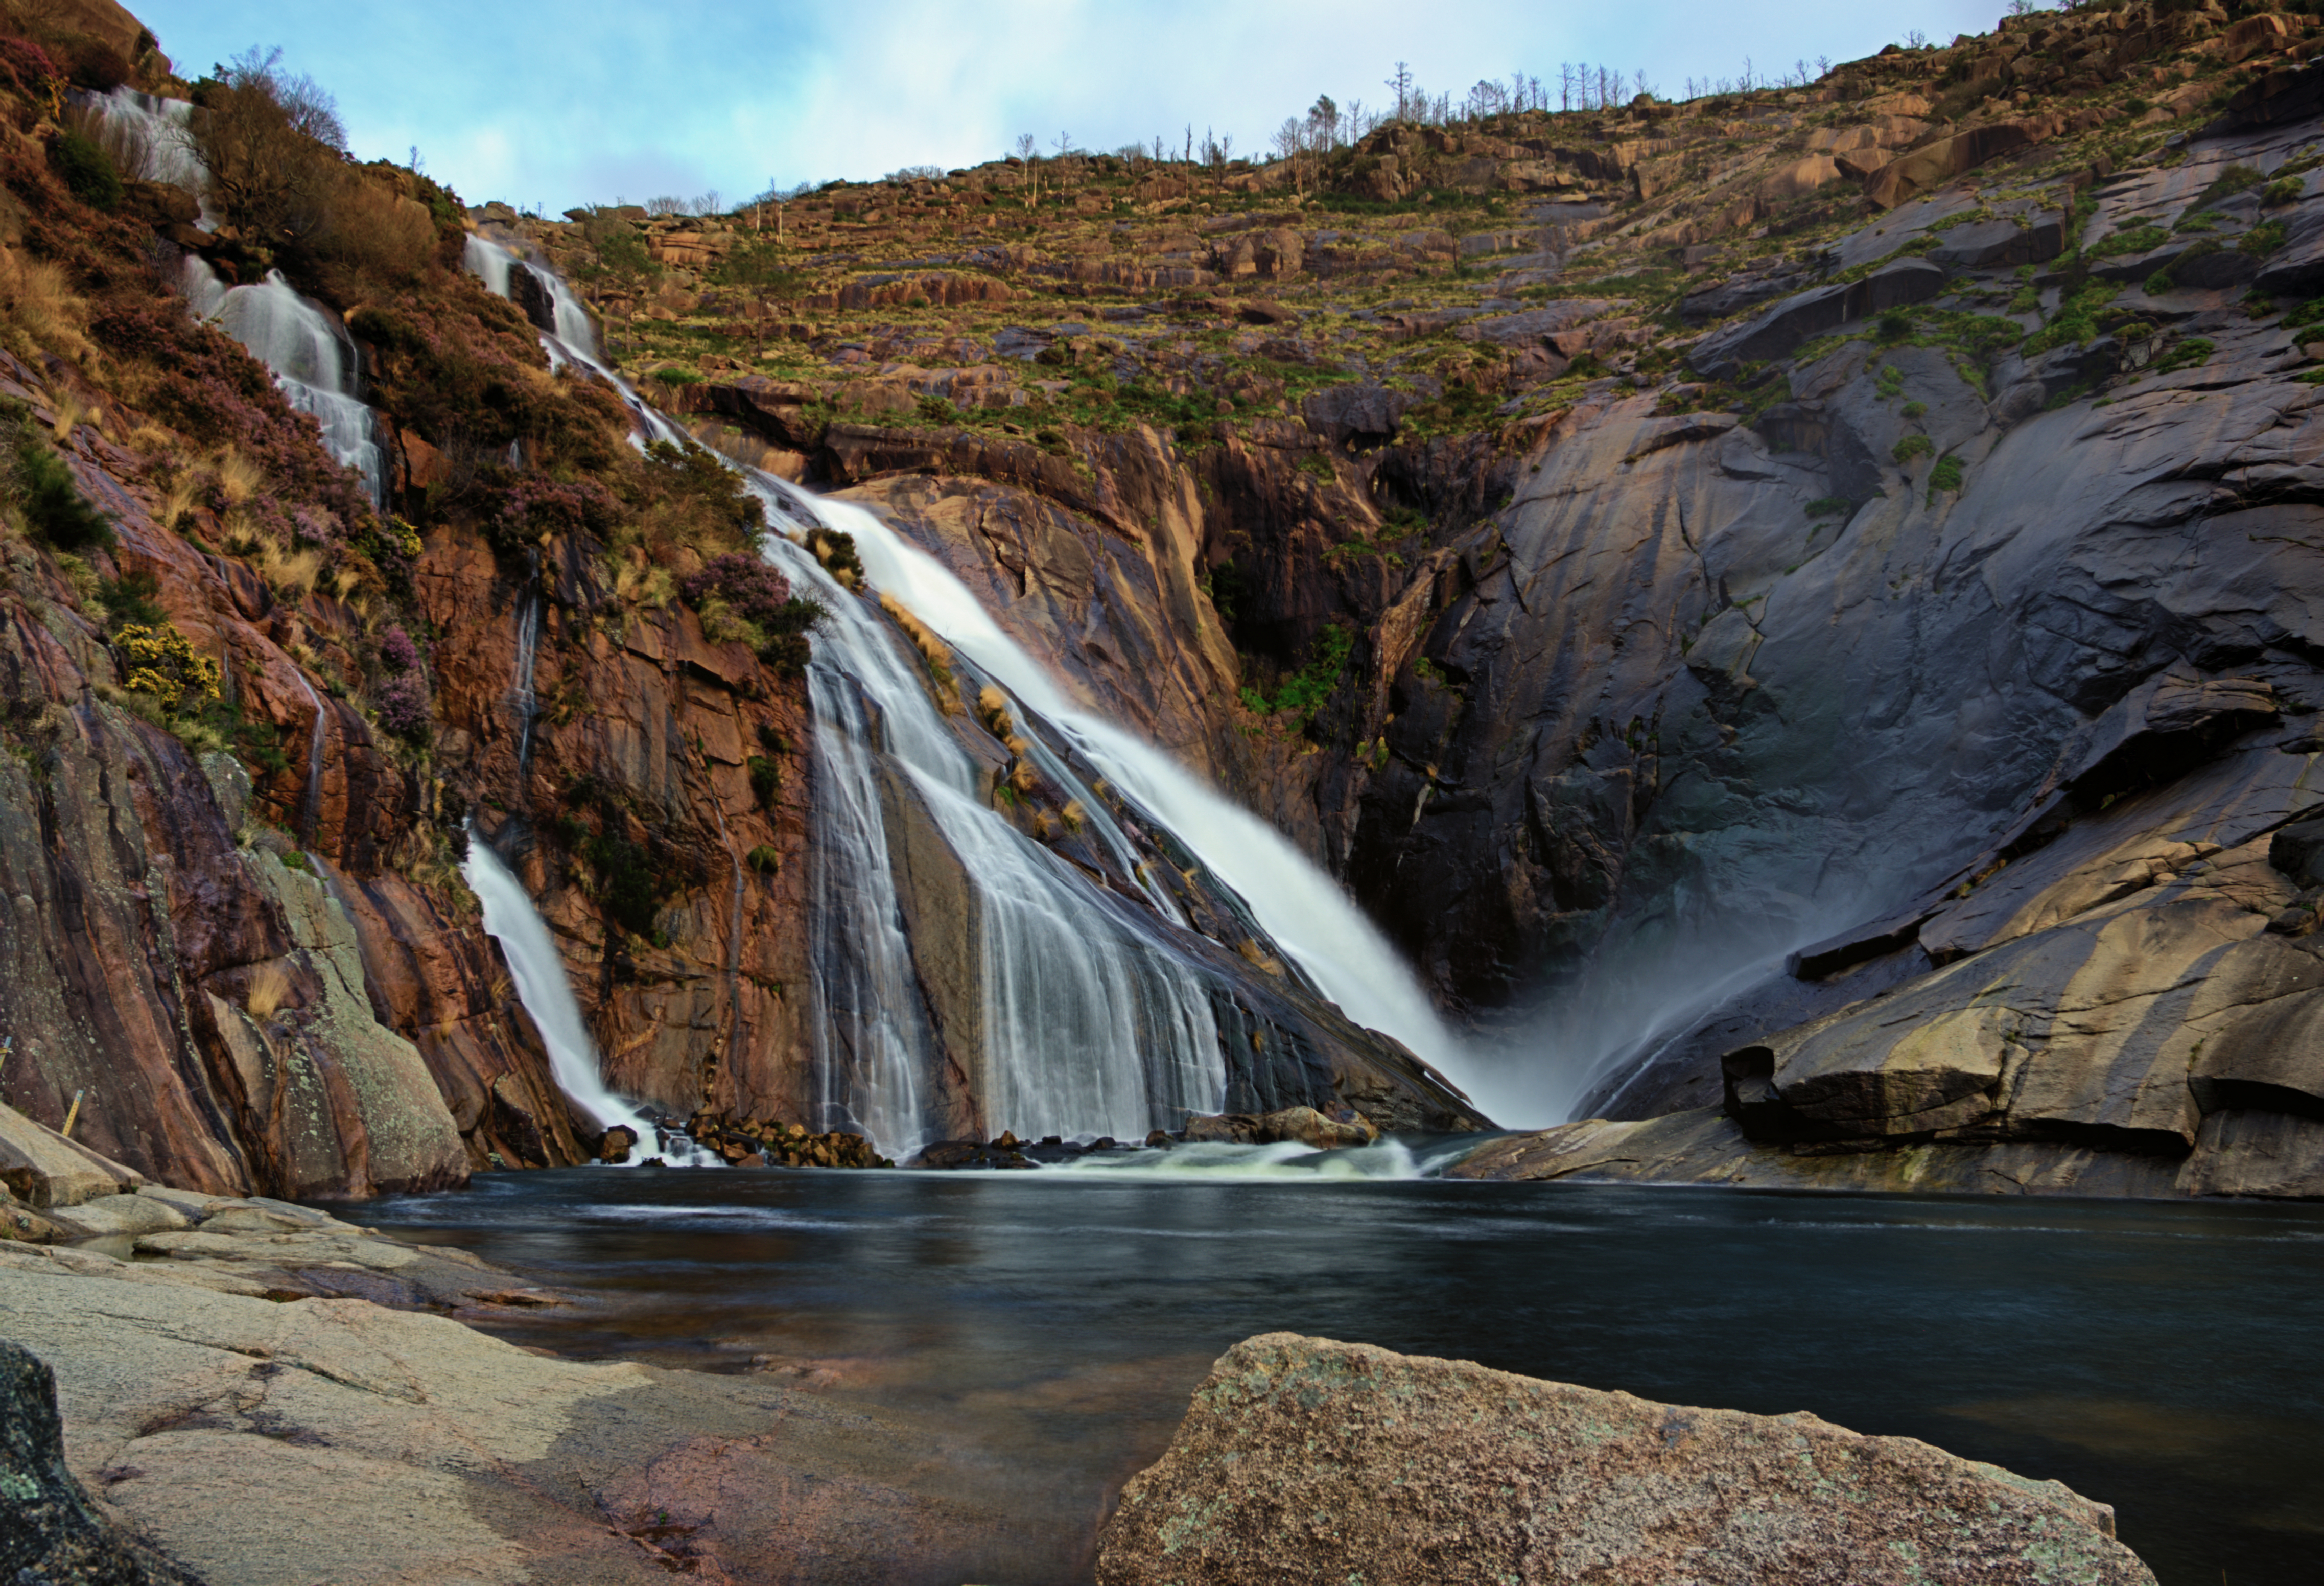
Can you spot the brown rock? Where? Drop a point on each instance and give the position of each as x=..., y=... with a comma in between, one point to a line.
x=1305, y=1459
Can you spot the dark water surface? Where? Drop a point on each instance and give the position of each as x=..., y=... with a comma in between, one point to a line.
x=2166, y=1359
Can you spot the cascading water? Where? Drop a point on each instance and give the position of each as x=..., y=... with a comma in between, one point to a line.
x=309, y=352
x=1094, y=1020
x=152, y=139
x=512, y=921
x=1297, y=905
x=1091, y=1025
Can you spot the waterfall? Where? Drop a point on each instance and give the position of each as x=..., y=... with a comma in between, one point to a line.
x=152, y=139
x=568, y=333
x=310, y=802
x=310, y=353
x=1091, y=1022
x=1300, y=907
x=534, y=965
x=528, y=654
x=1096, y=1016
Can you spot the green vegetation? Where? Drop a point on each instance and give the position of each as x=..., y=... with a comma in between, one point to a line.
x=43, y=489
x=2141, y=238
x=1305, y=691
x=1830, y=506
x=1945, y=475
x=2076, y=321
x=2190, y=354
x=1910, y=447
x=86, y=170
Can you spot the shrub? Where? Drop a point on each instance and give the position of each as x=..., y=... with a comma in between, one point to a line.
x=1830, y=506
x=397, y=653
x=1945, y=475
x=755, y=591
x=130, y=599
x=1910, y=447
x=403, y=706
x=163, y=663
x=2190, y=354
x=86, y=169
x=2286, y=190
x=54, y=507
x=766, y=859
x=2264, y=238
x=2156, y=284
x=1895, y=326
x=630, y=885
x=766, y=777
x=836, y=552
x=534, y=506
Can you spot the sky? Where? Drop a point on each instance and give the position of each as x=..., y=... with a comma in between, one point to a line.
x=551, y=104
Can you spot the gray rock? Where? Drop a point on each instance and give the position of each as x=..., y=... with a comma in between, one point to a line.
x=1782, y=328
x=1303, y=1460
x=1988, y=244
x=1359, y=415
x=51, y=1535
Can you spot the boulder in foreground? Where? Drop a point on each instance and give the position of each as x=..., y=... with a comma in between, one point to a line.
x=1305, y=1459
x=49, y=1531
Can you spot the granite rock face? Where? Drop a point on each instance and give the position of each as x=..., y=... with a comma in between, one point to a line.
x=1304, y=1460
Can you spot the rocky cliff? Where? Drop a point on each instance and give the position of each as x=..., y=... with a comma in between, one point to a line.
x=1793, y=604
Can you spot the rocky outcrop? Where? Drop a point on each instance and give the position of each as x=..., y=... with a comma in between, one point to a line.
x=1306, y=1459
x=49, y=1531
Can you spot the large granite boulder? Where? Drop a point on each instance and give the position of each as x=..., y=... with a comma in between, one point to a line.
x=49, y=1534
x=1306, y=1459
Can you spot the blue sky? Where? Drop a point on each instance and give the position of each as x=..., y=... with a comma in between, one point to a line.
x=562, y=102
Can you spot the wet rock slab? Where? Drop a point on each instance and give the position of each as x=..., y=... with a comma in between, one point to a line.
x=1305, y=1459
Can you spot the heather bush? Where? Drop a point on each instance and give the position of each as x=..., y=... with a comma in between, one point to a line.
x=397, y=653
x=534, y=506
x=756, y=592
x=402, y=706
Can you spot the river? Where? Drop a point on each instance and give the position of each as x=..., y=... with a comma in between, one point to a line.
x=2159, y=1357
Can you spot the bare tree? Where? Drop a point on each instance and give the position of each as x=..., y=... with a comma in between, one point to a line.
x=1028, y=154
x=1402, y=85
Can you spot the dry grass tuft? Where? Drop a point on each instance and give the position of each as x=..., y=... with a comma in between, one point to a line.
x=236, y=476
x=39, y=310
x=269, y=988
x=934, y=651
x=1074, y=814
x=71, y=414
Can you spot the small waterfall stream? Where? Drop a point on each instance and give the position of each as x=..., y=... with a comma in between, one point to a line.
x=1096, y=1017
x=310, y=353
x=521, y=694
x=512, y=921
x=311, y=801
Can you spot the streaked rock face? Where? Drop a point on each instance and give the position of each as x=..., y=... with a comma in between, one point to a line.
x=1306, y=1459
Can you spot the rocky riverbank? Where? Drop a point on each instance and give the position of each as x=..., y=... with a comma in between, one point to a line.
x=267, y=1396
